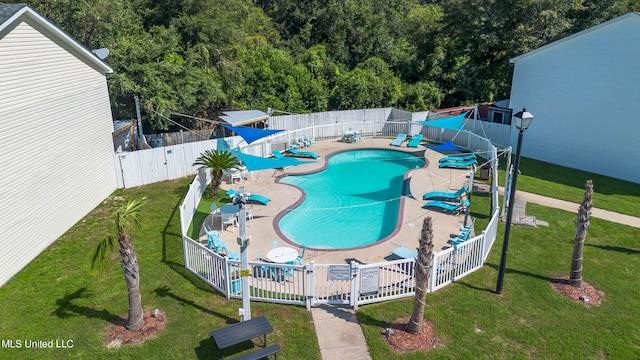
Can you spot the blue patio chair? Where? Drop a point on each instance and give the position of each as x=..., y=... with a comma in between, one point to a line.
x=296, y=152
x=458, y=164
x=446, y=195
x=263, y=268
x=213, y=236
x=452, y=207
x=252, y=197
x=415, y=141
x=458, y=158
x=399, y=139
x=300, y=258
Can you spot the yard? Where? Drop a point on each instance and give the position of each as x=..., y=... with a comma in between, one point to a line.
x=55, y=298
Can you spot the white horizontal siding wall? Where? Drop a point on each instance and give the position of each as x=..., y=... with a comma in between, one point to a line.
x=55, y=144
x=583, y=92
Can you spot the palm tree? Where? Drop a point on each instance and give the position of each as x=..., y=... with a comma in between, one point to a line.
x=423, y=268
x=126, y=217
x=582, y=224
x=217, y=161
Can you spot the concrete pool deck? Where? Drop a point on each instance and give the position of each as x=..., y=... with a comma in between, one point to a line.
x=428, y=178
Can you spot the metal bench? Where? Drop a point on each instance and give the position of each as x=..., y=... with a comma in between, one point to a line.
x=243, y=331
x=261, y=353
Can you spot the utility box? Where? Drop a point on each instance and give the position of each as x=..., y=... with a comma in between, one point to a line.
x=485, y=172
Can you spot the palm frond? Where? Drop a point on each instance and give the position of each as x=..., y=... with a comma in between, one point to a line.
x=99, y=259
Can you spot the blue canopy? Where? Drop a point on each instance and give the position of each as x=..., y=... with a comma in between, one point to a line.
x=452, y=123
x=446, y=146
x=250, y=134
x=253, y=162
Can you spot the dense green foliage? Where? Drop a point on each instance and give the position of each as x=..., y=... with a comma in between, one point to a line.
x=201, y=56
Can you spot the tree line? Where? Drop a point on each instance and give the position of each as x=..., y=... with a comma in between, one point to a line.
x=200, y=57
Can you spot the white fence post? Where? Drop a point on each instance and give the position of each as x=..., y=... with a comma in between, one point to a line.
x=355, y=288
x=310, y=285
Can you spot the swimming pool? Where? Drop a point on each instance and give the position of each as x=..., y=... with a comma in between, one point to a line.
x=353, y=202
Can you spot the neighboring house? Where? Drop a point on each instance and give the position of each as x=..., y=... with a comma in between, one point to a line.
x=56, y=152
x=583, y=90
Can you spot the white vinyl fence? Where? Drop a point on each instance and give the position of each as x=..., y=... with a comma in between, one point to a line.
x=351, y=284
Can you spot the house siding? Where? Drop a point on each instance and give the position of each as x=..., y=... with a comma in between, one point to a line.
x=55, y=144
x=583, y=92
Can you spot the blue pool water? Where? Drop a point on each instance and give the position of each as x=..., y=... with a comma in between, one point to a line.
x=353, y=202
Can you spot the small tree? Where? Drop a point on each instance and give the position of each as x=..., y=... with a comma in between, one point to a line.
x=582, y=224
x=217, y=161
x=423, y=268
x=126, y=217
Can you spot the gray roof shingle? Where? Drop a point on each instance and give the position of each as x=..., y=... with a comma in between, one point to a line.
x=8, y=10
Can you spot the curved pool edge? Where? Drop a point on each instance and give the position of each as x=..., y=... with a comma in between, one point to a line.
x=405, y=190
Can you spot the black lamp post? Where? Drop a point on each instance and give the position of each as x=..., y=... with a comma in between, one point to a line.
x=523, y=120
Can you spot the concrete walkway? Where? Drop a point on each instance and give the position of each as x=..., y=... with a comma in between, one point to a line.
x=573, y=207
x=339, y=333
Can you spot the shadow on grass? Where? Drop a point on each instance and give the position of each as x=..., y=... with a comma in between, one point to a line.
x=66, y=307
x=173, y=241
x=514, y=271
x=371, y=321
x=165, y=291
x=616, y=248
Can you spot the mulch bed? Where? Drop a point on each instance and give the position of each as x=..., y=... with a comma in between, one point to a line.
x=116, y=334
x=403, y=342
x=587, y=294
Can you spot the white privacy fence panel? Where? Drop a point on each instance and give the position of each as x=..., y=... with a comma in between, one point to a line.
x=192, y=198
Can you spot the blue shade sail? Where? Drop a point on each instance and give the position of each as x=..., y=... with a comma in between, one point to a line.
x=251, y=134
x=253, y=162
x=452, y=123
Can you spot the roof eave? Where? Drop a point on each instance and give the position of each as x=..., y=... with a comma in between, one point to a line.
x=91, y=57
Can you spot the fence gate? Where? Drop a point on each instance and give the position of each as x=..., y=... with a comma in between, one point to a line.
x=331, y=283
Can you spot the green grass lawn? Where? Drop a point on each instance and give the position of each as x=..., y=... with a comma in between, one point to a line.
x=564, y=183
x=54, y=297
x=530, y=320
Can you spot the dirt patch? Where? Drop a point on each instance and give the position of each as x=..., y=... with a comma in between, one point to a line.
x=402, y=342
x=587, y=294
x=116, y=334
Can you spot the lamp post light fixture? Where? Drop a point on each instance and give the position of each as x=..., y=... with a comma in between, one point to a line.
x=523, y=119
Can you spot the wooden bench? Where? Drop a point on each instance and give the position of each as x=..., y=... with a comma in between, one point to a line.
x=245, y=331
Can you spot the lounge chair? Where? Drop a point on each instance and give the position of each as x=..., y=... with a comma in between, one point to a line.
x=296, y=152
x=308, y=139
x=252, y=197
x=399, y=139
x=458, y=164
x=446, y=195
x=404, y=253
x=452, y=207
x=278, y=155
x=415, y=141
x=458, y=158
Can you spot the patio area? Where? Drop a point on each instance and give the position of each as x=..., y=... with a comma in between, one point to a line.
x=428, y=178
